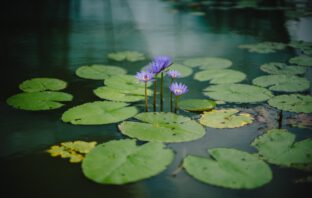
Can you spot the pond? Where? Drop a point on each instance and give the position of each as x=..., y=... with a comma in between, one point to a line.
x=53, y=39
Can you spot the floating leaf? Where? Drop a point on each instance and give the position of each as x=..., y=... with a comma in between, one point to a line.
x=197, y=104
x=229, y=168
x=36, y=101
x=185, y=71
x=301, y=121
x=131, y=56
x=281, y=68
x=122, y=161
x=301, y=45
x=126, y=82
x=162, y=127
x=282, y=83
x=278, y=146
x=113, y=94
x=220, y=76
x=264, y=47
x=225, y=118
x=308, y=52
x=238, y=93
x=293, y=103
x=42, y=84
x=99, y=72
x=99, y=112
x=301, y=60
x=73, y=150
x=208, y=63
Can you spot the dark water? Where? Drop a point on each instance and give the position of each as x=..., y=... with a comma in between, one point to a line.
x=52, y=38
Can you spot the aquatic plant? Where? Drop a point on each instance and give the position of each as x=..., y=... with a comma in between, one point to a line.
x=173, y=74
x=145, y=77
x=178, y=89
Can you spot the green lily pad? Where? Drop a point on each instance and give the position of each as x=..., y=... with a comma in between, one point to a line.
x=294, y=103
x=99, y=112
x=42, y=84
x=131, y=56
x=208, y=63
x=300, y=45
x=220, y=76
x=99, y=72
x=126, y=82
x=308, y=52
x=264, y=47
x=73, y=150
x=229, y=168
x=238, y=93
x=283, y=83
x=225, y=118
x=197, y=104
x=281, y=68
x=36, y=101
x=162, y=127
x=122, y=161
x=184, y=70
x=278, y=146
x=301, y=60
x=113, y=94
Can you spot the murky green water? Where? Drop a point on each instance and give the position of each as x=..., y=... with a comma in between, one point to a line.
x=53, y=38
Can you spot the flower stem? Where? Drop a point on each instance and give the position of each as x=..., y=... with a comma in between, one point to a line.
x=146, y=99
x=171, y=96
x=155, y=91
x=176, y=104
x=161, y=91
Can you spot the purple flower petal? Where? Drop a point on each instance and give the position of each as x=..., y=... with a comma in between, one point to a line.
x=144, y=76
x=174, y=74
x=178, y=88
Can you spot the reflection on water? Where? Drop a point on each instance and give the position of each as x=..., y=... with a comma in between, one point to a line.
x=53, y=37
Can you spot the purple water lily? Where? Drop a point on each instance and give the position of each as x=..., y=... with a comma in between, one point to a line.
x=159, y=64
x=178, y=88
x=144, y=76
x=174, y=74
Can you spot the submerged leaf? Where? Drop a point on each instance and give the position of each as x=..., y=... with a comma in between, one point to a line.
x=225, y=118
x=220, y=76
x=36, y=101
x=301, y=60
x=197, y=104
x=238, y=93
x=301, y=121
x=208, y=62
x=293, y=103
x=281, y=68
x=162, y=127
x=42, y=84
x=131, y=56
x=278, y=146
x=229, y=168
x=99, y=112
x=122, y=161
x=99, y=72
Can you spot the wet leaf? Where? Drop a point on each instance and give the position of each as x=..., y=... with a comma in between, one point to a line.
x=184, y=70
x=42, y=84
x=294, y=103
x=301, y=60
x=283, y=83
x=113, y=94
x=264, y=47
x=300, y=45
x=225, y=118
x=281, y=68
x=300, y=120
x=126, y=82
x=122, y=161
x=220, y=76
x=99, y=112
x=162, y=127
x=99, y=72
x=197, y=104
x=131, y=56
x=36, y=101
x=278, y=146
x=208, y=62
x=229, y=168
x=238, y=93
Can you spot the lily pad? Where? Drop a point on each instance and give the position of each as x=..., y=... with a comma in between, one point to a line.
x=73, y=150
x=301, y=60
x=126, y=82
x=225, y=118
x=131, y=56
x=281, y=68
x=184, y=70
x=300, y=45
x=283, y=83
x=238, y=93
x=220, y=76
x=122, y=161
x=278, y=146
x=113, y=94
x=294, y=103
x=42, y=84
x=99, y=72
x=208, y=63
x=99, y=112
x=36, y=101
x=264, y=47
x=229, y=168
x=162, y=127
x=197, y=104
